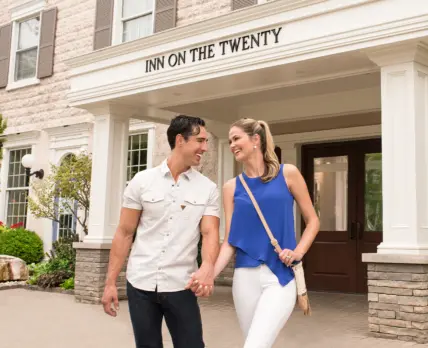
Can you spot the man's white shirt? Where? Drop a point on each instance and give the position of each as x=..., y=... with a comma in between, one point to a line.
x=165, y=248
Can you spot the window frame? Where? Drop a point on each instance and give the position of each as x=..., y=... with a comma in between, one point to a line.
x=18, y=188
x=119, y=20
x=21, y=14
x=16, y=141
x=56, y=225
x=143, y=128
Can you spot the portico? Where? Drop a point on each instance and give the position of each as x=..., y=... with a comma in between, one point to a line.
x=319, y=72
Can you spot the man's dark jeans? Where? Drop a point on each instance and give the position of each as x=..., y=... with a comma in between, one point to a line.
x=181, y=312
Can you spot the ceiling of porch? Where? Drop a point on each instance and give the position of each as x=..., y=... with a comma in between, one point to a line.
x=280, y=91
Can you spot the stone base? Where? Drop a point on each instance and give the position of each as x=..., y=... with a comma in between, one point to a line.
x=398, y=296
x=91, y=271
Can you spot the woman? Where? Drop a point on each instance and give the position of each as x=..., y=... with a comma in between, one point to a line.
x=264, y=289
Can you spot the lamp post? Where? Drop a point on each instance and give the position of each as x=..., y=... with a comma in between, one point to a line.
x=28, y=161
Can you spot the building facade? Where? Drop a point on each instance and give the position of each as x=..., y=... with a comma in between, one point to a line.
x=343, y=85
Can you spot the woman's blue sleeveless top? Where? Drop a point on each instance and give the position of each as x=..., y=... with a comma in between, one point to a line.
x=247, y=233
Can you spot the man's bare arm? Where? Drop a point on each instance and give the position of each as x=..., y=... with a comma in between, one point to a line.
x=210, y=239
x=121, y=244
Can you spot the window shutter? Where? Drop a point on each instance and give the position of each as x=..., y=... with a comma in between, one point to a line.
x=47, y=43
x=238, y=4
x=5, y=42
x=165, y=16
x=103, y=24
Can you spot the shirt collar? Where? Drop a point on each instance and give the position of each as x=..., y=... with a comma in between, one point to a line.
x=189, y=174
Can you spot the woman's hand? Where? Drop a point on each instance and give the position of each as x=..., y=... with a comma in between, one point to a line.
x=289, y=256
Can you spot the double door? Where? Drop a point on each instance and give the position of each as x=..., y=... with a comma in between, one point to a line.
x=345, y=184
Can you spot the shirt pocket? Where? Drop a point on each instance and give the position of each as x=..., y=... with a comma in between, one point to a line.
x=153, y=205
x=195, y=207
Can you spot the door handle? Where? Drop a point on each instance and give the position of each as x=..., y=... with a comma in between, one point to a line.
x=360, y=230
x=352, y=230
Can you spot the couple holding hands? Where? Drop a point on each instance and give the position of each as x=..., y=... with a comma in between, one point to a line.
x=170, y=206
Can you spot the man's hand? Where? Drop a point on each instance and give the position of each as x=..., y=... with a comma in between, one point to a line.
x=202, y=282
x=110, y=297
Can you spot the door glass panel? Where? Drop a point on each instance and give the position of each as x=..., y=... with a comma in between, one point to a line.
x=331, y=192
x=373, y=192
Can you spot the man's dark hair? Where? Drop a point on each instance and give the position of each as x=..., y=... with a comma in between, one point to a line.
x=184, y=125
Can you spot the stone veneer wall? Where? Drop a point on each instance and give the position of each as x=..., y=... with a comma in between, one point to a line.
x=398, y=301
x=45, y=105
x=91, y=271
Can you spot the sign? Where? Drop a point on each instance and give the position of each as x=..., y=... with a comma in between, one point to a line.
x=221, y=48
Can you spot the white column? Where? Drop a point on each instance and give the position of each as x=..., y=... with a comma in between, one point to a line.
x=225, y=172
x=404, y=80
x=109, y=155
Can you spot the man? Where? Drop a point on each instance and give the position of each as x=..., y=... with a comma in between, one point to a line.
x=169, y=206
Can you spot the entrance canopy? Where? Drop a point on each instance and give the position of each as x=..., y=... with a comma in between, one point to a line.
x=281, y=61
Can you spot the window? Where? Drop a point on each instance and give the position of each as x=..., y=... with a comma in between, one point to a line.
x=28, y=32
x=137, y=154
x=136, y=19
x=17, y=188
x=67, y=212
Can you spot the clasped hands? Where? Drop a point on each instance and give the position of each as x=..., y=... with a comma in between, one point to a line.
x=202, y=281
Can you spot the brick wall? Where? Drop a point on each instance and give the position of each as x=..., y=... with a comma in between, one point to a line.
x=398, y=301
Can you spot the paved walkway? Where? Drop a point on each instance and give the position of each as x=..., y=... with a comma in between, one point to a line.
x=46, y=320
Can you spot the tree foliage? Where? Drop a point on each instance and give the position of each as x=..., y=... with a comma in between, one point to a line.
x=67, y=187
x=3, y=126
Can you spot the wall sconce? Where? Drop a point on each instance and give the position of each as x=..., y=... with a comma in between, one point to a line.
x=28, y=161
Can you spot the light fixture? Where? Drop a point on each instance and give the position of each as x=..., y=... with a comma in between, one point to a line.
x=28, y=161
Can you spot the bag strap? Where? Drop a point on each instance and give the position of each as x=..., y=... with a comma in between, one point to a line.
x=273, y=241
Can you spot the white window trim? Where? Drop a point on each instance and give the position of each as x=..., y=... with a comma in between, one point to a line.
x=149, y=129
x=14, y=142
x=20, y=188
x=21, y=13
x=117, y=30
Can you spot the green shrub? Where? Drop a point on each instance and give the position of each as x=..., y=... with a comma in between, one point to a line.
x=62, y=249
x=54, y=279
x=22, y=243
x=68, y=284
x=59, y=269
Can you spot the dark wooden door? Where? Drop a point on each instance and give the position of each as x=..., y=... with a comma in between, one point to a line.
x=344, y=181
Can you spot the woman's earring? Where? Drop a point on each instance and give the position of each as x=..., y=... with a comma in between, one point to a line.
x=255, y=146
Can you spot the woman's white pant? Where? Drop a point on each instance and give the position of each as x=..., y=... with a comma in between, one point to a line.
x=262, y=304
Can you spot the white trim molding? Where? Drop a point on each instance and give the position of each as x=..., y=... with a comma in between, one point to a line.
x=21, y=139
x=27, y=9
x=122, y=70
x=69, y=137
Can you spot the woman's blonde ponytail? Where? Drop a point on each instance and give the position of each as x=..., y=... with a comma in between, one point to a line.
x=269, y=155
